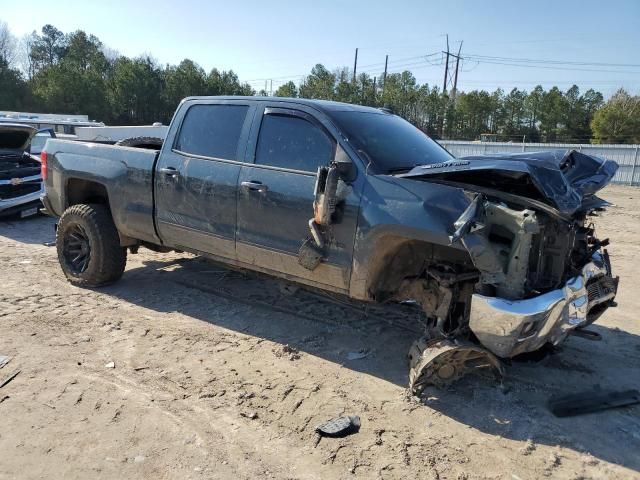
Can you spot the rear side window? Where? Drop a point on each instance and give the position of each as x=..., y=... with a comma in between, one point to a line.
x=294, y=143
x=212, y=130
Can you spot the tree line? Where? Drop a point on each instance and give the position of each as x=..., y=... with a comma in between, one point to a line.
x=74, y=73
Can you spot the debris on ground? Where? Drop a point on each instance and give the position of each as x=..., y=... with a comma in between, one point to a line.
x=287, y=351
x=4, y=359
x=588, y=402
x=9, y=378
x=339, y=427
x=249, y=415
x=110, y=365
x=441, y=362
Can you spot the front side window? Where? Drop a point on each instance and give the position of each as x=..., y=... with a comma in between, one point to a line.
x=293, y=143
x=212, y=130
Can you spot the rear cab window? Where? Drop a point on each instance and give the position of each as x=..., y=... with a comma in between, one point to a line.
x=293, y=143
x=211, y=130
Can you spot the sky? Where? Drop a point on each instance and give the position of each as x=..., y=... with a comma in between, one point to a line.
x=281, y=40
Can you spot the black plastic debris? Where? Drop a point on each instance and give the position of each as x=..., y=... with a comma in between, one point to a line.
x=9, y=378
x=587, y=402
x=339, y=427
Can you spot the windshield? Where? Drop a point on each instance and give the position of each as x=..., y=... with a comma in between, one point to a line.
x=392, y=144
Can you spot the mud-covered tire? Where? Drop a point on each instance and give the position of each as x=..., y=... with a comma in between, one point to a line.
x=150, y=143
x=89, y=229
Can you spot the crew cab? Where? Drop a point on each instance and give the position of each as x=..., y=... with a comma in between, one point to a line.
x=498, y=251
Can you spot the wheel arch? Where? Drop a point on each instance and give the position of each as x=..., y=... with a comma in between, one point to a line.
x=381, y=266
x=81, y=191
x=78, y=190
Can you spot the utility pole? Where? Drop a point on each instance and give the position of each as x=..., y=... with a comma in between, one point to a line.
x=355, y=66
x=446, y=67
x=384, y=77
x=271, y=88
x=455, y=78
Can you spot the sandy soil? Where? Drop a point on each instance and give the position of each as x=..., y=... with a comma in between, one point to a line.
x=204, y=387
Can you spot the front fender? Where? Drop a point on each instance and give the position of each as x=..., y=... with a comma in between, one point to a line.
x=403, y=214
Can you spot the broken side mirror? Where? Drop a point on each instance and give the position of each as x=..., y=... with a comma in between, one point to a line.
x=346, y=169
x=325, y=194
x=330, y=188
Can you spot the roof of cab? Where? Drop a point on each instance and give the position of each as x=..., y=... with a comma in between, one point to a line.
x=324, y=105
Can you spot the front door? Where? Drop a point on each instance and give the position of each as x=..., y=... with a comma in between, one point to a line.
x=197, y=178
x=275, y=199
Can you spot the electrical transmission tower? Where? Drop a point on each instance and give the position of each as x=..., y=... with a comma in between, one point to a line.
x=451, y=78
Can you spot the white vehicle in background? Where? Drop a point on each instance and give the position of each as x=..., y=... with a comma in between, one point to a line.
x=62, y=125
x=79, y=127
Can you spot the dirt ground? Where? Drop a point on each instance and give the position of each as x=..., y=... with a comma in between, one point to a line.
x=219, y=374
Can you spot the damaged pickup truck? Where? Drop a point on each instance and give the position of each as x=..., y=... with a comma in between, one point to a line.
x=499, y=252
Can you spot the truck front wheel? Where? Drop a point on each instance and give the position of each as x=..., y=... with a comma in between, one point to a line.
x=88, y=246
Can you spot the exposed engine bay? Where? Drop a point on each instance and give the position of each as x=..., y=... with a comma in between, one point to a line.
x=536, y=278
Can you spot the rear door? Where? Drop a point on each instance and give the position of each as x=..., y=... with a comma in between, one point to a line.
x=275, y=196
x=197, y=176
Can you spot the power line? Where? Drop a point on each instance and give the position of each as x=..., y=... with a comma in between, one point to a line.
x=550, y=67
x=558, y=62
x=451, y=76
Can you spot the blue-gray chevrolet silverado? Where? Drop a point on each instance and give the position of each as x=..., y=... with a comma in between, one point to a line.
x=499, y=251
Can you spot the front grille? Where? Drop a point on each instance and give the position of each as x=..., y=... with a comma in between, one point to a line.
x=14, y=191
x=601, y=289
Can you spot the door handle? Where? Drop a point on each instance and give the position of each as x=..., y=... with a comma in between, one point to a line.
x=170, y=171
x=256, y=186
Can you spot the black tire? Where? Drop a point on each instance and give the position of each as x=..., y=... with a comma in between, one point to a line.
x=88, y=246
x=150, y=143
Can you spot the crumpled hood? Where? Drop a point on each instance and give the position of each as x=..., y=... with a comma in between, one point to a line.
x=564, y=179
x=15, y=136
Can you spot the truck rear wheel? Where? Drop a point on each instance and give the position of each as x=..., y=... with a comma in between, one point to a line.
x=88, y=246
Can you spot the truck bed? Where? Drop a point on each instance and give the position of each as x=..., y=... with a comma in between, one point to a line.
x=126, y=173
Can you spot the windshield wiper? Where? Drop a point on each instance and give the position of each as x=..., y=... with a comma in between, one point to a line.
x=396, y=171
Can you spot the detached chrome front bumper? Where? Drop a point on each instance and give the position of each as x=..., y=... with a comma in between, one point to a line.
x=510, y=327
